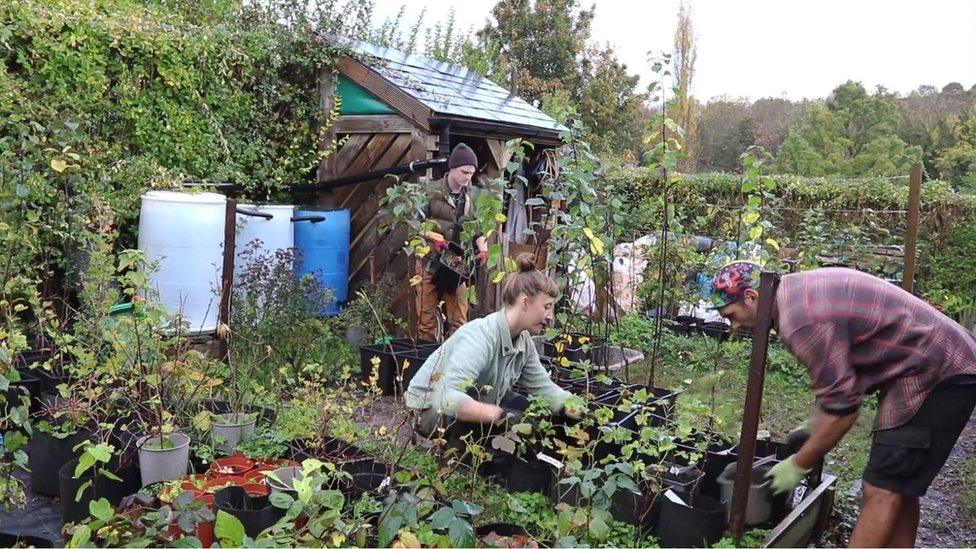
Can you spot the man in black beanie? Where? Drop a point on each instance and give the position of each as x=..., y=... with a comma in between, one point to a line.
x=449, y=206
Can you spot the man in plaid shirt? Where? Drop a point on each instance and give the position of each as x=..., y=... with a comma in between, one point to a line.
x=857, y=335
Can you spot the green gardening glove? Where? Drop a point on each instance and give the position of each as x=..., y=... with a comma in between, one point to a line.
x=786, y=475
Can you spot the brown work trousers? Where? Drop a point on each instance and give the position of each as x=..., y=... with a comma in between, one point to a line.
x=427, y=299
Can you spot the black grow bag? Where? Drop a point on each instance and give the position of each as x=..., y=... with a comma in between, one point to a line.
x=698, y=526
x=256, y=514
x=101, y=486
x=10, y=540
x=394, y=360
x=48, y=454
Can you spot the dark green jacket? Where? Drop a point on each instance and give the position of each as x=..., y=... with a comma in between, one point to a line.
x=442, y=207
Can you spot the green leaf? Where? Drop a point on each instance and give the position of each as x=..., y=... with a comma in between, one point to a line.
x=442, y=518
x=389, y=528
x=281, y=500
x=101, y=509
x=81, y=537
x=229, y=530
x=598, y=527
x=466, y=508
x=81, y=489
x=85, y=462
x=461, y=534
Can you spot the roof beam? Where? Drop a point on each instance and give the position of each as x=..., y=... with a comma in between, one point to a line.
x=393, y=96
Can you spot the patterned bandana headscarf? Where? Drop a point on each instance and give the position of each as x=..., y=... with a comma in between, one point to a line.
x=732, y=281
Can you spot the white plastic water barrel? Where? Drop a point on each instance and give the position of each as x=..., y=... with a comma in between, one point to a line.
x=183, y=234
x=274, y=234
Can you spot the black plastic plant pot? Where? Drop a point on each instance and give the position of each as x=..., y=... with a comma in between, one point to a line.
x=572, y=349
x=331, y=449
x=8, y=539
x=368, y=477
x=266, y=416
x=401, y=361
x=28, y=383
x=700, y=524
x=50, y=380
x=686, y=325
x=718, y=331
x=48, y=454
x=255, y=514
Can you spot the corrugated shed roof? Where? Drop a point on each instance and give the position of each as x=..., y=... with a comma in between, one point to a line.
x=450, y=89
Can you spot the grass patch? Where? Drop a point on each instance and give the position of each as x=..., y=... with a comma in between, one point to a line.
x=968, y=474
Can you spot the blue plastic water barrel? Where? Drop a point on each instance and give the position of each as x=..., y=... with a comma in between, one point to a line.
x=322, y=250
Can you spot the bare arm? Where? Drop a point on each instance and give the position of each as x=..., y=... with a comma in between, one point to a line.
x=828, y=429
x=473, y=411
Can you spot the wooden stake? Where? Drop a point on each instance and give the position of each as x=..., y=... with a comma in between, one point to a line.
x=911, y=236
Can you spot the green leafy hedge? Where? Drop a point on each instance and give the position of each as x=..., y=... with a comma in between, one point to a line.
x=101, y=100
x=710, y=203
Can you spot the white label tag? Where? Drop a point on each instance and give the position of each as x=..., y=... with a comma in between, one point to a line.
x=675, y=498
x=550, y=460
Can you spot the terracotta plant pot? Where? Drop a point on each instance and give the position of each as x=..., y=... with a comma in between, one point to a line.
x=257, y=475
x=231, y=466
x=256, y=490
x=217, y=483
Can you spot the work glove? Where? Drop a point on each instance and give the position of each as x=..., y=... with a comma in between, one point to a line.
x=482, y=257
x=438, y=245
x=786, y=475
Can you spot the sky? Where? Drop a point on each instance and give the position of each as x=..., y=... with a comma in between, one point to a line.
x=774, y=48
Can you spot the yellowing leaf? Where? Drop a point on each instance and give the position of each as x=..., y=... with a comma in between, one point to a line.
x=500, y=218
x=415, y=280
x=422, y=251
x=499, y=276
x=58, y=165
x=755, y=233
x=750, y=218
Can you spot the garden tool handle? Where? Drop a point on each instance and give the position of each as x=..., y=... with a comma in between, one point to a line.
x=253, y=213
x=311, y=218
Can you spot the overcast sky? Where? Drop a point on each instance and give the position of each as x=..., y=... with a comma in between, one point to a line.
x=777, y=48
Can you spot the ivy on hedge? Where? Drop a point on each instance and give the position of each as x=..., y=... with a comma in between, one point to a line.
x=101, y=100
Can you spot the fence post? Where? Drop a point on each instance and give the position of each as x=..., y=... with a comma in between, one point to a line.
x=768, y=284
x=911, y=235
x=227, y=279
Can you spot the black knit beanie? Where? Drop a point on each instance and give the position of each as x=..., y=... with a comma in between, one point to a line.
x=462, y=155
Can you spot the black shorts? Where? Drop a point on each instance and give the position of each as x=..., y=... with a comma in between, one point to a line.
x=907, y=458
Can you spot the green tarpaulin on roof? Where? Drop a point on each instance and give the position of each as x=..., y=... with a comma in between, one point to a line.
x=357, y=100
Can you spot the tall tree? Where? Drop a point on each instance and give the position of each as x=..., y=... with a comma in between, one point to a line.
x=685, y=53
x=542, y=41
x=612, y=110
x=852, y=134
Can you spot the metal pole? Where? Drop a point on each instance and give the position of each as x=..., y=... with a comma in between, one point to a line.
x=769, y=282
x=911, y=236
x=227, y=279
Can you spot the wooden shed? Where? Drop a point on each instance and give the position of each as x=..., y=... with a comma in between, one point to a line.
x=396, y=108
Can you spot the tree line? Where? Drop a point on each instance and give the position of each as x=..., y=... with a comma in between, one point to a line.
x=543, y=50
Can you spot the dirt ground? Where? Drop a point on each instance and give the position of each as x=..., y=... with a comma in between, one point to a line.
x=943, y=521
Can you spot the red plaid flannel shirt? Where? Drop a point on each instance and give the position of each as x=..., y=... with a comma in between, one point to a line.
x=858, y=334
